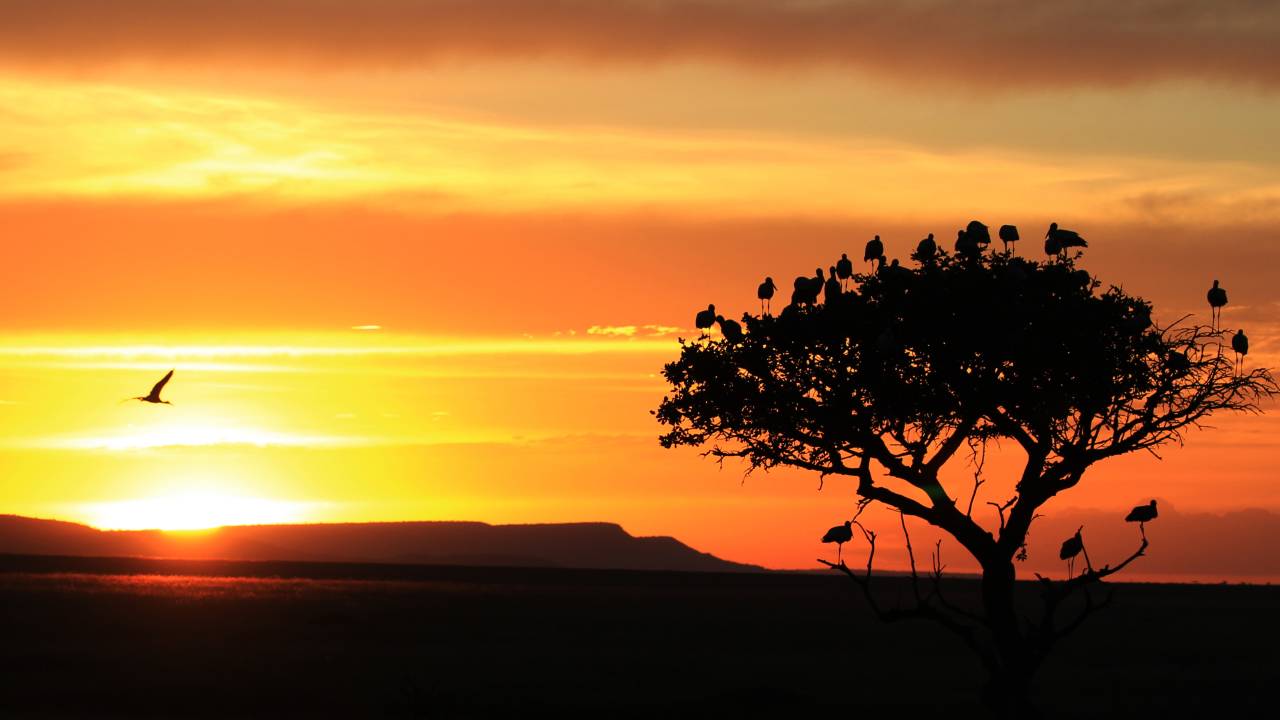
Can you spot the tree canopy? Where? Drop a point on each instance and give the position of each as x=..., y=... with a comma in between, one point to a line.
x=886, y=381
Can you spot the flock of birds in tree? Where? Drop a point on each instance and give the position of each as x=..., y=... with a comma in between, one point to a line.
x=970, y=242
x=1072, y=547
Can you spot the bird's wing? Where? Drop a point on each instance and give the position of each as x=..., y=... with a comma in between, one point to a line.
x=160, y=385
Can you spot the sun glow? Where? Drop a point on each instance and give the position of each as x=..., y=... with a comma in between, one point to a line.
x=192, y=511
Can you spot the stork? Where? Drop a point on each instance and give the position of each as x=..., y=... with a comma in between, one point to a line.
x=1008, y=236
x=154, y=395
x=765, y=294
x=1072, y=547
x=731, y=329
x=1057, y=241
x=925, y=250
x=832, y=288
x=1240, y=343
x=966, y=246
x=705, y=319
x=844, y=269
x=1142, y=515
x=875, y=251
x=839, y=535
x=1217, y=297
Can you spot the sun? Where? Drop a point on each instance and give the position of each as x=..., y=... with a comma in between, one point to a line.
x=192, y=511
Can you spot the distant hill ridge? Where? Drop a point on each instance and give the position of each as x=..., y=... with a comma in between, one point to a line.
x=571, y=545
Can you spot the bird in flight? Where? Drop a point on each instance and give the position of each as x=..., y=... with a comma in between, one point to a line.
x=154, y=396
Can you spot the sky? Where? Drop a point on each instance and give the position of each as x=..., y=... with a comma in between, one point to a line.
x=425, y=260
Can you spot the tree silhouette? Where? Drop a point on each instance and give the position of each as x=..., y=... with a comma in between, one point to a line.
x=888, y=382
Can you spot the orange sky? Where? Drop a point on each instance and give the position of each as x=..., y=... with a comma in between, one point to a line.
x=529, y=207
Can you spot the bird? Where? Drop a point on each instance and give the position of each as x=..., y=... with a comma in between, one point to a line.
x=979, y=233
x=765, y=294
x=1178, y=364
x=925, y=250
x=875, y=251
x=839, y=535
x=844, y=269
x=705, y=319
x=731, y=329
x=1072, y=547
x=1142, y=515
x=1240, y=343
x=154, y=396
x=832, y=288
x=1057, y=241
x=1217, y=297
x=1008, y=236
x=805, y=290
x=966, y=246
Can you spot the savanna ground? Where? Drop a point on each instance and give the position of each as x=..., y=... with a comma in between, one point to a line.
x=172, y=639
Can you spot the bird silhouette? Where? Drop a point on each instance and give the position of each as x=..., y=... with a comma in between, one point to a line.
x=966, y=246
x=1057, y=241
x=839, y=535
x=925, y=250
x=1008, y=236
x=832, y=288
x=1240, y=343
x=731, y=329
x=705, y=319
x=979, y=233
x=1217, y=298
x=1178, y=363
x=874, y=252
x=1072, y=547
x=765, y=294
x=154, y=396
x=844, y=269
x=1142, y=515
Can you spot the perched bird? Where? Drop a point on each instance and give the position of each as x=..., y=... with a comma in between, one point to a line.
x=1072, y=547
x=1240, y=343
x=1178, y=364
x=839, y=535
x=1057, y=241
x=154, y=396
x=1008, y=236
x=731, y=329
x=925, y=250
x=966, y=246
x=1142, y=515
x=765, y=294
x=705, y=319
x=807, y=289
x=979, y=233
x=844, y=269
x=832, y=288
x=1217, y=300
x=874, y=252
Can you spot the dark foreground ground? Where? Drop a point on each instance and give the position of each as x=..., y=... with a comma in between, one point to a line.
x=172, y=639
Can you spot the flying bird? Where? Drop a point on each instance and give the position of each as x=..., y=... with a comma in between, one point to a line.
x=1008, y=236
x=925, y=250
x=1240, y=343
x=844, y=269
x=765, y=294
x=1142, y=515
x=705, y=319
x=1217, y=297
x=874, y=252
x=154, y=396
x=1073, y=546
x=1057, y=241
x=839, y=535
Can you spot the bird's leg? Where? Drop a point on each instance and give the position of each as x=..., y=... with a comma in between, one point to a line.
x=1087, y=562
x=1142, y=528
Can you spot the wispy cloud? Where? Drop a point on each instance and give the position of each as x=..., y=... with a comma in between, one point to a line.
x=993, y=43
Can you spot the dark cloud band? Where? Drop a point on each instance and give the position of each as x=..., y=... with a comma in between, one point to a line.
x=985, y=43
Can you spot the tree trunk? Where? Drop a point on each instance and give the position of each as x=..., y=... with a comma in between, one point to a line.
x=1008, y=690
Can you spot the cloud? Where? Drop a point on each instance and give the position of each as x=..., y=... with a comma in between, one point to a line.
x=990, y=43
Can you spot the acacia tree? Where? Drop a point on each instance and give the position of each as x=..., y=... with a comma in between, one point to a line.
x=886, y=383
